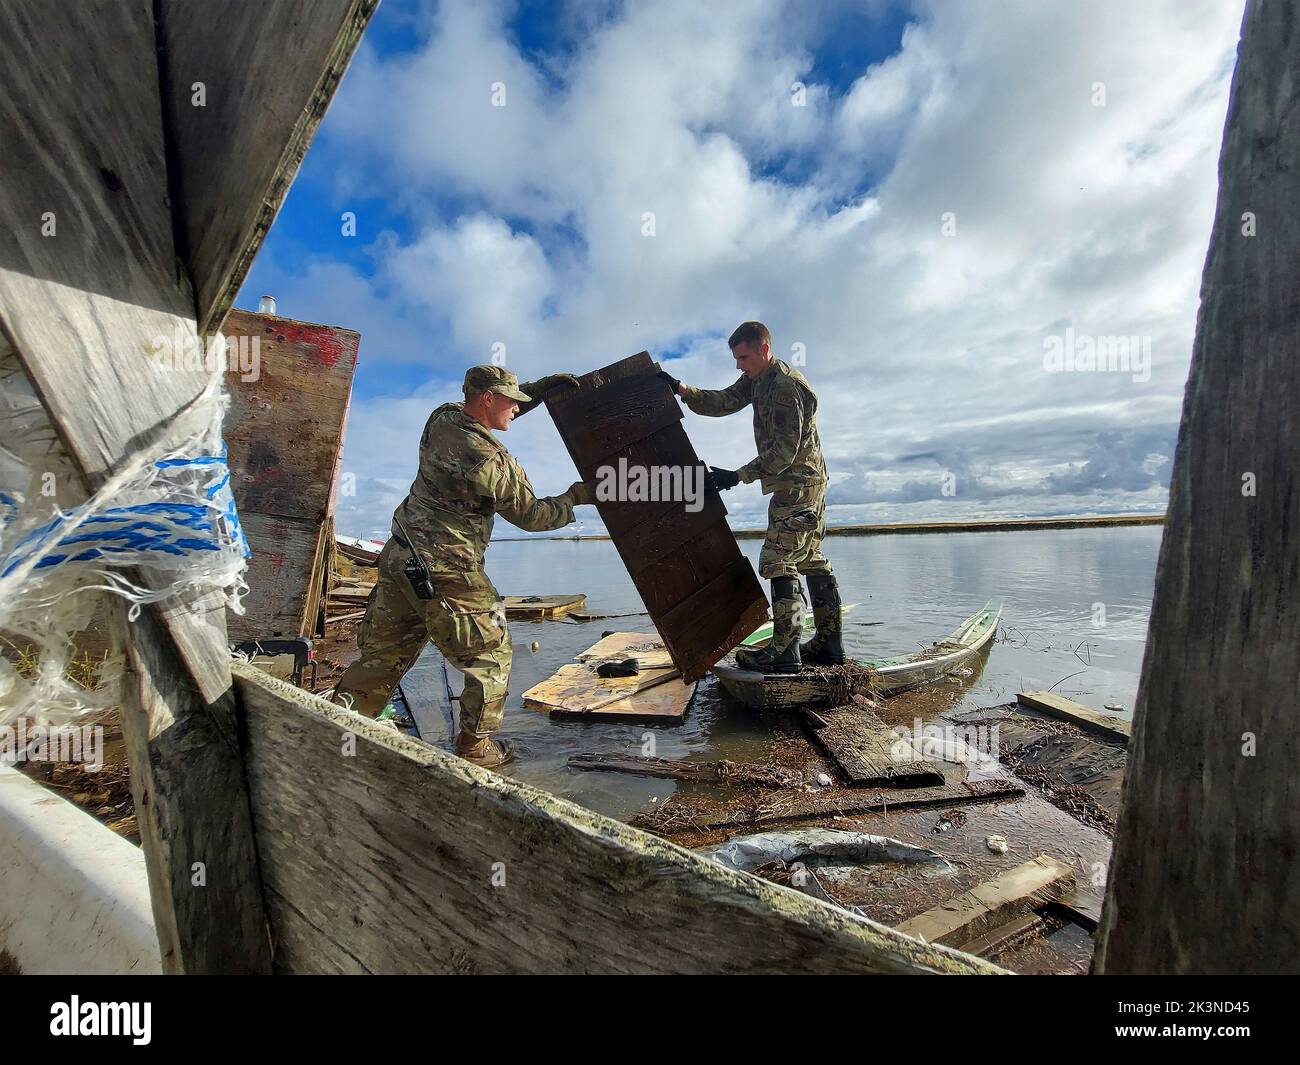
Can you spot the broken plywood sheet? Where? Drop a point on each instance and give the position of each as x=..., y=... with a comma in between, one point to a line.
x=538, y=607
x=285, y=435
x=865, y=749
x=700, y=591
x=657, y=693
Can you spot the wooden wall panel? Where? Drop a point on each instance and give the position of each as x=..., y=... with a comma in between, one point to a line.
x=285, y=430
x=86, y=304
x=700, y=590
x=268, y=72
x=414, y=861
x=1204, y=876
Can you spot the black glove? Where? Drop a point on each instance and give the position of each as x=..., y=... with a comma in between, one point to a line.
x=673, y=383
x=538, y=389
x=720, y=480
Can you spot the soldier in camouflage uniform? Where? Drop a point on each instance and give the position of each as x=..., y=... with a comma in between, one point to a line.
x=790, y=467
x=466, y=477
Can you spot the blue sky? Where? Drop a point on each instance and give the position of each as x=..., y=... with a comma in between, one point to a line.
x=958, y=188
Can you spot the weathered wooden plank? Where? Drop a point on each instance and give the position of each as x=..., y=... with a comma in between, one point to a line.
x=1057, y=706
x=423, y=837
x=278, y=578
x=722, y=772
x=1204, y=876
x=699, y=589
x=90, y=306
x=191, y=802
x=647, y=648
x=712, y=620
x=1026, y=887
x=862, y=747
x=678, y=815
x=267, y=73
x=670, y=449
x=1005, y=936
x=290, y=388
x=694, y=564
x=651, y=541
x=95, y=310
x=604, y=421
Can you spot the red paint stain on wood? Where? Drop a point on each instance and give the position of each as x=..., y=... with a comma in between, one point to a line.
x=325, y=343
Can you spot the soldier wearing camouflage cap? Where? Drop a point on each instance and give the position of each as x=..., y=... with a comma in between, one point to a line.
x=790, y=466
x=466, y=477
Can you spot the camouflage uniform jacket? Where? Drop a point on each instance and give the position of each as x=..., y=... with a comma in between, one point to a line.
x=466, y=477
x=785, y=426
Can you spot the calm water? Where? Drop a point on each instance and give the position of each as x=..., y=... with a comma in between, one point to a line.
x=909, y=589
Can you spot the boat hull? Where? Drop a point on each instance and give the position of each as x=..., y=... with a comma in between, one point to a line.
x=834, y=684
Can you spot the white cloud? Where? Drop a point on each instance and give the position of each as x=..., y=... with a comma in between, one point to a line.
x=1067, y=214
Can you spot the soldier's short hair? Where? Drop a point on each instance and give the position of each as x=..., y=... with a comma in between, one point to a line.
x=750, y=333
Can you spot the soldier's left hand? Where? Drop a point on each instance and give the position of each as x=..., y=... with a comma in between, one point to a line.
x=720, y=480
x=539, y=388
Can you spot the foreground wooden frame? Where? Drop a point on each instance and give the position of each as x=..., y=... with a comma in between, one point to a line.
x=389, y=856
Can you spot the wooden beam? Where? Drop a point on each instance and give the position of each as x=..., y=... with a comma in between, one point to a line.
x=414, y=861
x=960, y=920
x=191, y=802
x=1088, y=719
x=266, y=73
x=85, y=306
x=1204, y=877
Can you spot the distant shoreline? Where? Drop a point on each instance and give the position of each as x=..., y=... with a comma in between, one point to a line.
x=976, y=525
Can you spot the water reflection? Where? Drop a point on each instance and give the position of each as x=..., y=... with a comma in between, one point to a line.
x=910, y=590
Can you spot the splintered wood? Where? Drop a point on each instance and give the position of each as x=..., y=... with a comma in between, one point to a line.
x=656, y=693
x=700, y=590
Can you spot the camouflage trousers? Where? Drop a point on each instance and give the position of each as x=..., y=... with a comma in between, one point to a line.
x=466, y=621
x=796, y=526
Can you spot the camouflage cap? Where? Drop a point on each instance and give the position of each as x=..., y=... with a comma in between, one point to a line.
x=489, y=378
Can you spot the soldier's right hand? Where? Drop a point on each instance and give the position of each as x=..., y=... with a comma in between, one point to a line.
x=581, y=493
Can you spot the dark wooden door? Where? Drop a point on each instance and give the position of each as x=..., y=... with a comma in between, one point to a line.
x=701, y=592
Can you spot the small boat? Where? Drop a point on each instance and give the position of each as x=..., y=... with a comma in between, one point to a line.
x=882, y=676
x=357, y=549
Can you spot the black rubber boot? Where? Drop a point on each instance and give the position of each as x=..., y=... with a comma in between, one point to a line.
x=781, y=655
x=826, y=648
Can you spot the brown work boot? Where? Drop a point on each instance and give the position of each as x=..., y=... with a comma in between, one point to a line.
x=484, y=750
